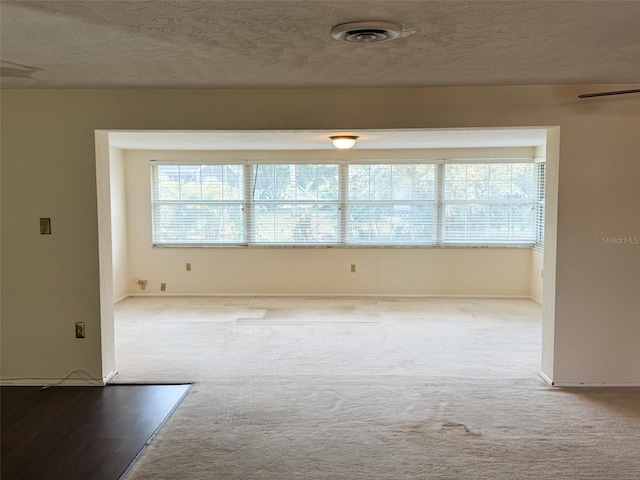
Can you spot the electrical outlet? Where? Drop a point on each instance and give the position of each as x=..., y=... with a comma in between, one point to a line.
x=353, y=268
x=163, y=287
x=79, y=329
x=188, y=266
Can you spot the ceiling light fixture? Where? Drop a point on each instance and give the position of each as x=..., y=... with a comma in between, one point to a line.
x=344, y=142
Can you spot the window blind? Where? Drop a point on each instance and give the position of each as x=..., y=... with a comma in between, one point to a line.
x=540, y=172
x=391, y=204
x=197, y=204
x=485, y=203
x=348, y=203
x=295, y=204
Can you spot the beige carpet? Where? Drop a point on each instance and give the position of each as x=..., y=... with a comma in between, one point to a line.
x=366, y=388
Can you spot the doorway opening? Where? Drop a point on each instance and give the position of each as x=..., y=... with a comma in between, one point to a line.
x=131, y=265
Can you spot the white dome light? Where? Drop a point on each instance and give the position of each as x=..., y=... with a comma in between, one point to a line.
x=344, y=142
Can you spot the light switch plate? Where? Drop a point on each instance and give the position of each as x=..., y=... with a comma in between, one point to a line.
x=45, y=226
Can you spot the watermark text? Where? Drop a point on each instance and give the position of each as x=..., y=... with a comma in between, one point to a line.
x=630, y=240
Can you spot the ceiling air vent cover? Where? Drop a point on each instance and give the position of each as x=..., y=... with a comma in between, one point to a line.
x=366, y=32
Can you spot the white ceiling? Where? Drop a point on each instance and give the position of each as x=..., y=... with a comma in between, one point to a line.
x=286, y=43
x=319, y=139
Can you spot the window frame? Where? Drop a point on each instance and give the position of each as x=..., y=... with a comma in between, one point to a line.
x=487, y=202
x=344, y=204
x=251, y=222
x=157, y=202
x=393, y=201
x=540, y=202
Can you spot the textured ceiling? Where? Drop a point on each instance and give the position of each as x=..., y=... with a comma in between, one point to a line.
x=286, y=44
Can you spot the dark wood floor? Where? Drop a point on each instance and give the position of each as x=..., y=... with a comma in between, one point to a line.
x=91, y=433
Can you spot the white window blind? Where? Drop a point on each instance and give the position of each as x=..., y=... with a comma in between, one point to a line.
x=391, y=204
x=540, y=203
x=351, y=203
x=295, y=204
x=489, y=203
x=198, y=204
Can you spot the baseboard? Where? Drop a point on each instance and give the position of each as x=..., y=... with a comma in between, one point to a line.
x=351, y=295
x=545, y=379
x=44, y=382
x=124, y=297
x=26, y=382
x=84, y=380
x=551, y=383
x=539, y=302
x=110, y=376
x=596, y=384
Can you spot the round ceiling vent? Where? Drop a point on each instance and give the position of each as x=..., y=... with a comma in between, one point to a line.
x=366, y=32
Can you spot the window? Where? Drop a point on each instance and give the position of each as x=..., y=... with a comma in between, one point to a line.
x=391, y=204
x=295, y=204
x=541, y=170
x=489, y=203
x=198, y=204
x=348, y=204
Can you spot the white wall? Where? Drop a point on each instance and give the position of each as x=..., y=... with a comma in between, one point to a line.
x=536, y=271
x=119, y=229
x=597, y=284
x=549, y=290
x=326, y=271
x=537, y=256
x=104, y=332
x=49, y=169
x=400, y=271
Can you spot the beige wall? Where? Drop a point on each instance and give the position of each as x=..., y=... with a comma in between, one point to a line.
x=401, y=271
x=49, y=169
x=552, y=185
x=104, y=334
x=119, y=229
x=535, y=275
x=326, y=271
x=537, y=256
